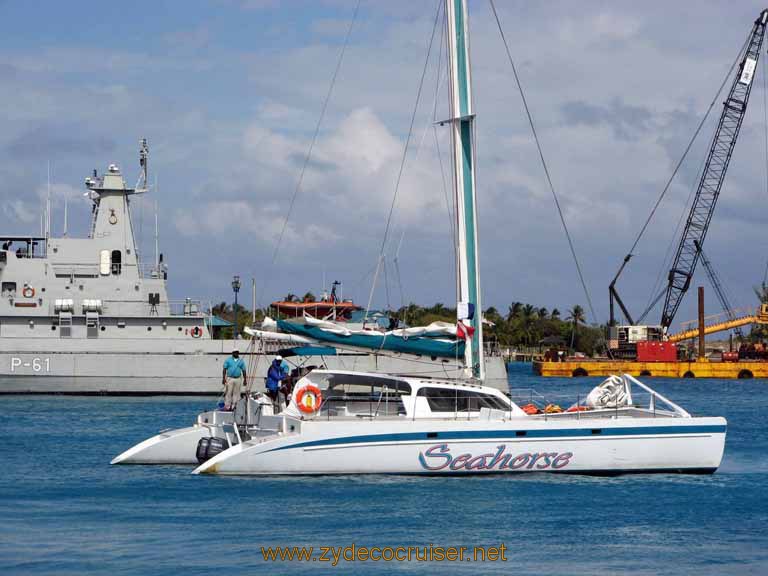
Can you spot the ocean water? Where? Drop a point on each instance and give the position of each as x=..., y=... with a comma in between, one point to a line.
x=65, y=510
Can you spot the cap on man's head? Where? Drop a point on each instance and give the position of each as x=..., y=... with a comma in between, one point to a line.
x=235, y=351
x=278, y=357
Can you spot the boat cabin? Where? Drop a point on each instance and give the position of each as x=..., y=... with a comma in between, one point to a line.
x=369, y=395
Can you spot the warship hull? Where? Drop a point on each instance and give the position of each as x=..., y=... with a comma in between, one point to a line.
x=145, y=368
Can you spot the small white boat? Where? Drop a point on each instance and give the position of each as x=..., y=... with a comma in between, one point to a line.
x=357, y=423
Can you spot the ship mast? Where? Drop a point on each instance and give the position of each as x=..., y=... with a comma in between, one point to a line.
x=469, y=310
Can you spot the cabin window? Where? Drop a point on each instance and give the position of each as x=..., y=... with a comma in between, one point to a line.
x=357, y=395
x=9, y=289
x=116, y=262
x=458, y=400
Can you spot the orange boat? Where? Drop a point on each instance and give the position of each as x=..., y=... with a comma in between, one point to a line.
x=329, y=306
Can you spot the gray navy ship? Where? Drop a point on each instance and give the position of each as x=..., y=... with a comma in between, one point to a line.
x=87, y=316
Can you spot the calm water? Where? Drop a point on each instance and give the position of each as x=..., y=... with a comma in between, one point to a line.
x=64, y=510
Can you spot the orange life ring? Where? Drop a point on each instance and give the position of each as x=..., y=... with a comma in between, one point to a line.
x=578, y=409
x=28, y=292
x=196, y=332
x=531, y=409
x=309, y=399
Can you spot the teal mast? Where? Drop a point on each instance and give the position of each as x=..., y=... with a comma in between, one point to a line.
x=462, y=135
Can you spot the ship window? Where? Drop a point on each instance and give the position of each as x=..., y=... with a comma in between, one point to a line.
x=116, y=262
x=8, y=288
x=457, y=400
x=357, y=395
x=104, y=262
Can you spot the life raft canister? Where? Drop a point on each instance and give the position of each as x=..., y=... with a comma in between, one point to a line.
x=196, y=332
x=309, y=398
x=28, y=292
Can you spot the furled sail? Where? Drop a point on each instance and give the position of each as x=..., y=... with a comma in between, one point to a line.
x=437, y=339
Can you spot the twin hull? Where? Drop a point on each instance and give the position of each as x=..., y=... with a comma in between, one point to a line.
x=693, y=445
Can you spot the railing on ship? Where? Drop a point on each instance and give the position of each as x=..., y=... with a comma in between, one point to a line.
x=153, y=271
x=186, y=307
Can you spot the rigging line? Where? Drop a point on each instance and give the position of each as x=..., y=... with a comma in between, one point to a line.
x=402, y=161
x=400, y=286
x=429, y=123
x=667, y=262
x=687, y=148
x=446, y=196
x=314, y=136
x=765, y=133
x=544, y=164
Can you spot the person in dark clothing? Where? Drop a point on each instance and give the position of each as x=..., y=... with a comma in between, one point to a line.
x=275, y=374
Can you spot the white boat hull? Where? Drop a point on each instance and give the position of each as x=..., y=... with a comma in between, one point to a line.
x=169, y=447
x=594, y=446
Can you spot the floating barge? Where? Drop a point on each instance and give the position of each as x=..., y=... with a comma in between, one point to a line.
x=700, y=368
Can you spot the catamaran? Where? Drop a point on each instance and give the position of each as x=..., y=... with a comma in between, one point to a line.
x=349, y=422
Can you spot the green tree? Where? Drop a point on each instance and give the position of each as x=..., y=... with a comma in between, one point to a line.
x=575, y=316
x=514, y=310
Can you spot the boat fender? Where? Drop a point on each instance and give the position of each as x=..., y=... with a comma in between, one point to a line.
x=309, y=398
x=215, y=446
x=202, y=448
x=196, y=332
x=28, y=292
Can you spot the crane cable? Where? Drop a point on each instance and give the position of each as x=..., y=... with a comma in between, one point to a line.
x=765, y=133
x=544, y=165
x=688, y=148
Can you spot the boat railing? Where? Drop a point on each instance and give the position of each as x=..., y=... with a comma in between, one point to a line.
x=187, y=307
x=642, y=400
x=153, y=271
x=655, y=397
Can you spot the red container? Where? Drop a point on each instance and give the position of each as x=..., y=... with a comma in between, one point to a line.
x=656, y=352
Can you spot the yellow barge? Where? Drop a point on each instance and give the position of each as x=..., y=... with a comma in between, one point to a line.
x=683, y=369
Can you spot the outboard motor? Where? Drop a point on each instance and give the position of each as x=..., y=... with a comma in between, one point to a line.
x=215, y=446
x=202, y=448
x=207, y=448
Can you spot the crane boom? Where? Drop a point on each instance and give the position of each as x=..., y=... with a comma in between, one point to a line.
x=717, y=285
x=711, y=182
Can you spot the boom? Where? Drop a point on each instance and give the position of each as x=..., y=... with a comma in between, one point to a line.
x=716, y=166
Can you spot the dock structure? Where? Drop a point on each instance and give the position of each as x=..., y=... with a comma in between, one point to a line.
x=700, y=368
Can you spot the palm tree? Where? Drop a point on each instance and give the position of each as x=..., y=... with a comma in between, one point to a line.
x=438, y=309
x=514, y=310
x=555, y=314
x=309, y=297
x=542, y=312
x=528, y=317
x=576, y=316
x=290, y=297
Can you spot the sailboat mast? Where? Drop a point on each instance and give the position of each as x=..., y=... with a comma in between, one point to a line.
x=462, y=126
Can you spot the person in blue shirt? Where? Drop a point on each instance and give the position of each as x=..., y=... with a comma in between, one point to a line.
x=275, y=374
x=233, y=378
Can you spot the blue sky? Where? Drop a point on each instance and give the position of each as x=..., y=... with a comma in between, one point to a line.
x=228, y=93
